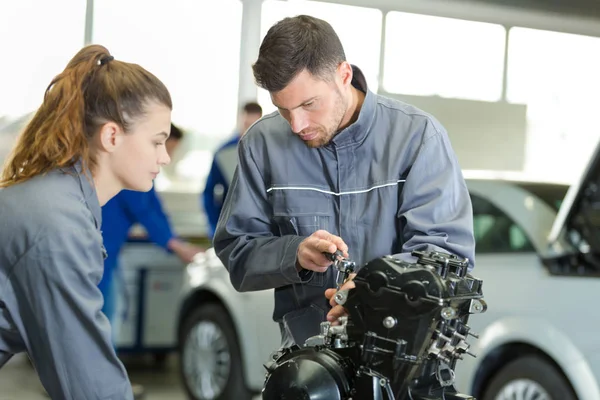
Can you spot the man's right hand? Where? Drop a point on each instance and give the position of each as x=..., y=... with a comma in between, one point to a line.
x=310, y=251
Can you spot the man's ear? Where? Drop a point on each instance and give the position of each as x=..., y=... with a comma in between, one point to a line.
x=344, y=72
x=110, y=137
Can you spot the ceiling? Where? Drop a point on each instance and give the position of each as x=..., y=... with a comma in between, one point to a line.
x=585, y=8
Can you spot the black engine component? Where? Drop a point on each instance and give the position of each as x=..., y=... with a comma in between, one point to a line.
x=406, y=328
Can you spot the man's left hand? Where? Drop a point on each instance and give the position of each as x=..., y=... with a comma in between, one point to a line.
x=338, y=311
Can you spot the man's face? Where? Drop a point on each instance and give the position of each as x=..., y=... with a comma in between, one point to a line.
x=248, y=119
x=313, y=107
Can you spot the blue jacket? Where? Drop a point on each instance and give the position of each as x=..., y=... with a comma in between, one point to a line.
x=221, y=173
x=120, y=213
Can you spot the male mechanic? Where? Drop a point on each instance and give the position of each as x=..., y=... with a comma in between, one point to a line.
x=337, y=168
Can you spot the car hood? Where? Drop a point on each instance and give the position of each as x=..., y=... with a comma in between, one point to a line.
x=577, y=225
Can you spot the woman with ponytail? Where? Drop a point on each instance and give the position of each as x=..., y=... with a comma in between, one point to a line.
x=101, y=128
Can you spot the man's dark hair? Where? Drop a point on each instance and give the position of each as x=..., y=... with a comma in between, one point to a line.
x=293, y=45
x=252, y=107
x=176, y=133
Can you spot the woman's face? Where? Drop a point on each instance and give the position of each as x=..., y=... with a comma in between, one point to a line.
x=137, y=160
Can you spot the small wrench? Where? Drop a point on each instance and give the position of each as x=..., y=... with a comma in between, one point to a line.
x=344, y=267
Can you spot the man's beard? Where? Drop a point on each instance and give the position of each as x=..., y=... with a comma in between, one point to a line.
x=327, y=133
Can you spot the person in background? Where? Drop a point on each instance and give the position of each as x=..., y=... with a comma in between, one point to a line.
x=101, y=128
x=118, y=216
x=223, y=167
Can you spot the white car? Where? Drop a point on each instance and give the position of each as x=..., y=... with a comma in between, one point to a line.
x=537, y=339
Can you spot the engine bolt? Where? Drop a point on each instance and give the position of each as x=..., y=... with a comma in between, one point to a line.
x=389, y=322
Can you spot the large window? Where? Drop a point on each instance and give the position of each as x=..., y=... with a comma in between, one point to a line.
x=557, y=76
x=35, y=48
x=358, y=28
x=193, y=47
x=38, y=40
x=429, y=56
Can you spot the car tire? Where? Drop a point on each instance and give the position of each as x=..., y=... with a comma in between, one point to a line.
x=528, y=377
x=209, y=350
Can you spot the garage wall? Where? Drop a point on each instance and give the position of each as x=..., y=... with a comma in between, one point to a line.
x=484, y=135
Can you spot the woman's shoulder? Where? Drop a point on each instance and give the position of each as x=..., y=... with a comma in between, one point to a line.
x=48, y=211
x=44, y=200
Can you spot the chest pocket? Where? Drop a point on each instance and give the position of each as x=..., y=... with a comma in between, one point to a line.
x=303, y=212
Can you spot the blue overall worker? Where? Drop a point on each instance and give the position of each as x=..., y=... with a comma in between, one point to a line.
x=223, y=167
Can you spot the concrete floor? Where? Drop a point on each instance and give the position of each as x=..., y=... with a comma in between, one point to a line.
x=18, y=380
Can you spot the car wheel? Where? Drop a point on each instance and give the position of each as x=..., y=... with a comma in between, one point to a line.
x=528, y=378
x=210, y=360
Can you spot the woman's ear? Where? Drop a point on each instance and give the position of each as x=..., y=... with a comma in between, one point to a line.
x=110, y=137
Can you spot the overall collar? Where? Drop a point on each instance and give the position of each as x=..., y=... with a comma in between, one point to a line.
x=90, y=196
x=357, y=132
